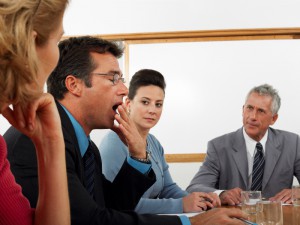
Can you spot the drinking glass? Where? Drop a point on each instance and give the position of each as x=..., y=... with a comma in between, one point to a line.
x=269, y=213
x=249, y=200
x=296, y=195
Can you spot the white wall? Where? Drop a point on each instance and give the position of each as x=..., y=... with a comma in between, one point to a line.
x=183, y=173
x=121, y=16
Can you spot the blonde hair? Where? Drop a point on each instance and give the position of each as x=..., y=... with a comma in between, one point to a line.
x=18, y=57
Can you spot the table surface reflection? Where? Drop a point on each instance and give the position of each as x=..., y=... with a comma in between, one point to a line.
x=291, y=215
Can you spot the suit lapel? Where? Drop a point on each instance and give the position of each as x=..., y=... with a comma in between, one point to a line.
x=240, y=156
x=70, y=138
x=272, y=154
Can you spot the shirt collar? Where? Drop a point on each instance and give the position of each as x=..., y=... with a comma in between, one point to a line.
x=83, y=140
x=251, y=144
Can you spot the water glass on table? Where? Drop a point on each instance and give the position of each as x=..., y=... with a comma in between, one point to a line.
x=296, y=195
x=269, y=213
x=249, y=200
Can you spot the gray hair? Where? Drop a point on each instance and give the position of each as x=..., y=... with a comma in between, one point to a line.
x=268, y=90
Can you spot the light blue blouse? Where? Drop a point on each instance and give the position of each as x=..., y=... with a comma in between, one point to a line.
x=164, y=196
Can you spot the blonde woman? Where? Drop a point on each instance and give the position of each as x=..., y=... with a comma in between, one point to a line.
x=29, y=33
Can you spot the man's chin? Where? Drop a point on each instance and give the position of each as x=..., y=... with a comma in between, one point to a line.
x=251, y=131
x=108, y=125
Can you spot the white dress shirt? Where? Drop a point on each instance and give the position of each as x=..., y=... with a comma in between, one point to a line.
x=251, y=150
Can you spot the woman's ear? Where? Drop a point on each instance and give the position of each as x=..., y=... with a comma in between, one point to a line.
x=34, y=34
x=127, y=104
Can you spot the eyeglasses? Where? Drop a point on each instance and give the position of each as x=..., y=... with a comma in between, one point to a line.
x=116, y=76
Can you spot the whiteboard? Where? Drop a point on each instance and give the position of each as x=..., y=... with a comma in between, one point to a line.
x=207, y=83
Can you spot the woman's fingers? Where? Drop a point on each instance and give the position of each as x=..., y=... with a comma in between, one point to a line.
x=15, y=116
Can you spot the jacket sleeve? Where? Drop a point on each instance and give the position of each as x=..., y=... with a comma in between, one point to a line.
x=297, y=160
x=207, y=178
x=127, y=188
x=170, y=197
x=23, y=161
x=14, y=207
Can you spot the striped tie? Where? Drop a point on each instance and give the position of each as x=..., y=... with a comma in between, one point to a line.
x=258, y=168
x=89, y=169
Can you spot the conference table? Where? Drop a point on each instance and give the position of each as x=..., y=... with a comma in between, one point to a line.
x=291, y=214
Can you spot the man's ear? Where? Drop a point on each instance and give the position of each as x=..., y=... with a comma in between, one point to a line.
x=74, y=85
x=274, y=118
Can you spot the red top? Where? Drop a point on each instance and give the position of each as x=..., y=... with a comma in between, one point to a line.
x=14, y=207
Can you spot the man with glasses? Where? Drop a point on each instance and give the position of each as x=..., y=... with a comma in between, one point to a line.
x=116, y=76
x=88, y=87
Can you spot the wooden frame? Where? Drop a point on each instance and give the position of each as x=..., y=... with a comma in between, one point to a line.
x=198, y=36
x=185, y=158
x=209, y=35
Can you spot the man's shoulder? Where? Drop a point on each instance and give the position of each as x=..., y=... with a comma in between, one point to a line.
x=14, y=137
x=282, y=133
x=20, y=149
x=11, y=133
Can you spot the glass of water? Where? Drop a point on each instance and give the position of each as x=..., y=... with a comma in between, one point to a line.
x=269, y=213
x=296, y=195
x=249, y=200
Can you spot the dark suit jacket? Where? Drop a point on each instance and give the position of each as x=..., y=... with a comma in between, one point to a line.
x=226, y=164
x=111, y=200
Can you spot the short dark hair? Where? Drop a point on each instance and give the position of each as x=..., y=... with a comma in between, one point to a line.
x=75, y=59
x=145, y=77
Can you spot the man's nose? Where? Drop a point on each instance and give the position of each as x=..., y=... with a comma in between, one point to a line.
x=253, y=114
x=123, y=90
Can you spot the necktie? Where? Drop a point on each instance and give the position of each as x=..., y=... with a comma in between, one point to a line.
x=258, y=168
x=89, y=169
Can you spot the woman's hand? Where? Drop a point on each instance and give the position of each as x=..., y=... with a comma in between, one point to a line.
x=39, y=119
x=200, y=201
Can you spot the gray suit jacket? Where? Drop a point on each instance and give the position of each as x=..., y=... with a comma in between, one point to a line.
x=226, y=165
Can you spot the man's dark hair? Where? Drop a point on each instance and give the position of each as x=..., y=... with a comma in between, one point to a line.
x=75, y=59
x=145, y=77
